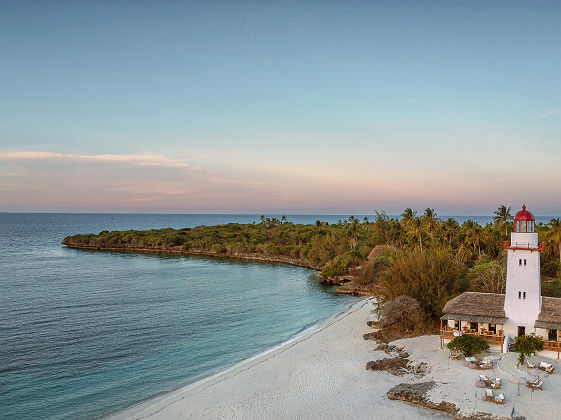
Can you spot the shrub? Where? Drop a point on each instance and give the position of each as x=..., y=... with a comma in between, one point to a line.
x=489, y=277
x=468, y=345
x=527, y=345
x=430, y=277
x=402, y=312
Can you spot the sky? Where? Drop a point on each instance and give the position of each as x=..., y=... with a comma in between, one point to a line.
x=280, y=107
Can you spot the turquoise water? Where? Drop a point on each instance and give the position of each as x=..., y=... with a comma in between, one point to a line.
x=85, y=333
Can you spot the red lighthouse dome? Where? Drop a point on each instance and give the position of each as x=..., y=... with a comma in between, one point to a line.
x=524, y=221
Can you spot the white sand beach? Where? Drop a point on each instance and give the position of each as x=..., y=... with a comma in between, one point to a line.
x=320, y=375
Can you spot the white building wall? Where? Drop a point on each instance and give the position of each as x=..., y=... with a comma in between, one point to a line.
x=523, y=279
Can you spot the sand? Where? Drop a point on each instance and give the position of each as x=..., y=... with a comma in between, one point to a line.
x=319, y=375
x=322, y=375
x=456, y=382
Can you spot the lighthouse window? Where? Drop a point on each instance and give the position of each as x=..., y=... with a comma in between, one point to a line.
x=518, y=226
x=520, y=261
x=523, y=227
x=524, y=261
x=519, y=294
x=524, y=295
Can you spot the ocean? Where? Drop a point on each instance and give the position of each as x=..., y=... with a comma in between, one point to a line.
x=84, y=333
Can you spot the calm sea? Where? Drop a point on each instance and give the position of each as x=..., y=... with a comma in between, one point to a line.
x=85, y=333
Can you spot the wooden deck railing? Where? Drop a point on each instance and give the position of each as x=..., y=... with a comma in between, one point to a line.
x=491, y=338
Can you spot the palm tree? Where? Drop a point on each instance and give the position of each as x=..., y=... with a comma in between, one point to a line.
x=554, y=236
x=502, y=217
x=430, y=220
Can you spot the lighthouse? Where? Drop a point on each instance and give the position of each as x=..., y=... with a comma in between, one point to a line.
x=523, y=300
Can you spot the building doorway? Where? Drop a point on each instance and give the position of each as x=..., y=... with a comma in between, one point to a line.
x=521, y=330
x=552, y=335
x=474, y=326
x=493, y=328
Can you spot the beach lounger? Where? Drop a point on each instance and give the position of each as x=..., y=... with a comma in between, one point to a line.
x=547, y=367
x=455, y=355
x=486, y=364
x=500, y=399
x=489, y=395
x=496, y=384
x=530, y=365
x=484, y=378
x=471, y=359
x=537, y=384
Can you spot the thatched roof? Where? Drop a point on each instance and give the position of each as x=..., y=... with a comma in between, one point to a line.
x=550, y=315
x=476, y=307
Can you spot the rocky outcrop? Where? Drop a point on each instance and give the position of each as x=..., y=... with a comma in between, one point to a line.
x=352, y=288
x=417, y=394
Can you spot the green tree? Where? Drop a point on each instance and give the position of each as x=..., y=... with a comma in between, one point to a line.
x=554, y=235
x=502, y=217
x=431, y=278
x=468, y=345
x=489, y=277
x=527, y=345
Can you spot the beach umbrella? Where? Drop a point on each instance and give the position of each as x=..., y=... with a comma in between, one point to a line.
x=538, y=373
x=517, y=380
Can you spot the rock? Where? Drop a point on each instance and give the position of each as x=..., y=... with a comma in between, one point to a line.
x=394, y=366
x=403, y=354
x=370, y=336
x=416, y=394
x=373, y=324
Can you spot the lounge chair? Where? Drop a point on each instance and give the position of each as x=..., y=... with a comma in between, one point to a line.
x=536, y=384
x=484, y=378
x=489, y=395
x=471, y=360
x=530, y=365
x=496, y=384
x=486, y=364
x=455, y=355
x=500, y=399
x=547, y=367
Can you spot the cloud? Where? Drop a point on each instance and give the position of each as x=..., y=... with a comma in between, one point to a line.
x=550, y=113
x=140, y=159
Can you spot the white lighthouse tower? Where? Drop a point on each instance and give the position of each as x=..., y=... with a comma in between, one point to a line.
x=523, y=300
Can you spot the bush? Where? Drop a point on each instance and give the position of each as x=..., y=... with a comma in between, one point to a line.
x=468, y=345
x=430, y=277
x=403, y=311
x=489, y=277
x=527, y=345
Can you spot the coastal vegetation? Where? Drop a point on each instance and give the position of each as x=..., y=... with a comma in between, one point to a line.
x=527, y=345
x=468, y=345
x=424, y=257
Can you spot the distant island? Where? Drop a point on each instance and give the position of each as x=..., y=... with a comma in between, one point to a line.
x=424, y=257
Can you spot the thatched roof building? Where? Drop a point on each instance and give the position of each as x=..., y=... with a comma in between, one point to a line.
x=476, y=307
x=550, y=315
x=489, y=308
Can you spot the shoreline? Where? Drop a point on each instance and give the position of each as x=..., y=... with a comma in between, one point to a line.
x=298, y=262
x=319, y=373
x=241, y=365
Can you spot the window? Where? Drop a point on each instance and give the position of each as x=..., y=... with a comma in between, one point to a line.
x=552, y=335
x=523, y=227
x=493, y=328
x=524, y=261
x=517, y=226
x=519, y=294
x=520, y=261
x=524, y=295
x=521, y=330
x=530, y=226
